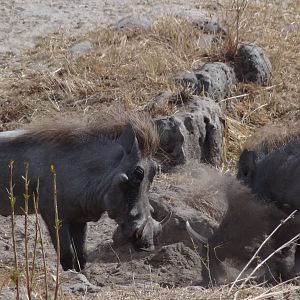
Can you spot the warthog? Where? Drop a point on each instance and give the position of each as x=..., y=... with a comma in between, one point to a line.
x=273, y=174
x=243, y=226
x=101, y=166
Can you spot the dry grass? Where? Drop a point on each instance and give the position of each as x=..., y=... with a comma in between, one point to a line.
x=130, y=67
x=282, y=291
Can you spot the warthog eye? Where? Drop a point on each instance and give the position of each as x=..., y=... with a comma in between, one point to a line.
x=139, y=173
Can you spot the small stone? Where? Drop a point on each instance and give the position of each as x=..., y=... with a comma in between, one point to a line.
x=134, y=21
x=81, y=48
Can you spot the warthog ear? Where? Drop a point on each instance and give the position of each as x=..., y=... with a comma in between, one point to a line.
x=128, y=139
x=247, y=164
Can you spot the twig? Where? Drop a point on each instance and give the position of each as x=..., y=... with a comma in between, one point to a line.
x=268, y=291
x=26, y=199
x=76, y=256
x=260, y=247
x=253, y=111
x=12, y=200
x=268, y=257
x=57, y=227
x=36, y=237
x=269, y=295
x=248, y=94
x=53, y=102
x=36, y=200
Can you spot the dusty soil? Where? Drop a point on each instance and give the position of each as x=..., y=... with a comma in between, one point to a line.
x=23, y=22
x=112, y=260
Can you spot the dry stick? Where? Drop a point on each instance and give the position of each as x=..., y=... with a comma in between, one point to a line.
x=269, y=291
x=252, y=287
x=12, y=200
x=281, y=292
x=38, y=226
x=26, y=198
x=76, y=256
x=36, y=237
x=248, y=94
x=267, y=258
x=57, y=225
x=253, y=111
x=260, y=247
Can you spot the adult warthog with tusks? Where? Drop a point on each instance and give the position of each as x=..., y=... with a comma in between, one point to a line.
x=102, y=165
x=244, y=224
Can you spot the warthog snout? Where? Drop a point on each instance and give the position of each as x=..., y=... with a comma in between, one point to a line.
x=144, y=236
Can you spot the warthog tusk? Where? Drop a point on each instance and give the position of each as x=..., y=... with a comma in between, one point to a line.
x=166, y=219
x=151, y=209
x=139, y=232
x=195, y=234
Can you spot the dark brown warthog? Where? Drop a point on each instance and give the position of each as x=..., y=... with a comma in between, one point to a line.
x=243, y=226
x=101, y=166
x=273, y=174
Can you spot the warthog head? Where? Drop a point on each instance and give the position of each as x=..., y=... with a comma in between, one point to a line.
x=241, y=232
x=222, y=258
x=126, y=198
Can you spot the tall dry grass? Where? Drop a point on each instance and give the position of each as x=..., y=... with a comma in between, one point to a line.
x=130, y=67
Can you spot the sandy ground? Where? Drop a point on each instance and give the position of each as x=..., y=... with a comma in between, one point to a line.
x=23, y=22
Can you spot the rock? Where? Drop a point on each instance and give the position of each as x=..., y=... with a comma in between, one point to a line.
x=252, y=64
x=210, y=26
x=195, y=132
x=134, y=21
x=203, y=21
x=188, y=80
x=73, y=282
x=160, y=101
x=81, y=48
x=216, y=80
x=191, y=15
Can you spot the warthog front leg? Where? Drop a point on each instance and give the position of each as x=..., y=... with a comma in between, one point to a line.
x=66, y=250
x=78, y=235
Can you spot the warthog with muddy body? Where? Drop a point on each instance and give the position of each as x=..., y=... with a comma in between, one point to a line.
x=104, y=165
x=244, y=224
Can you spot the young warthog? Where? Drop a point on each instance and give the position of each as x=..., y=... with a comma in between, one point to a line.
x=101, y=166
x=273, y=174
x=243, y=226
